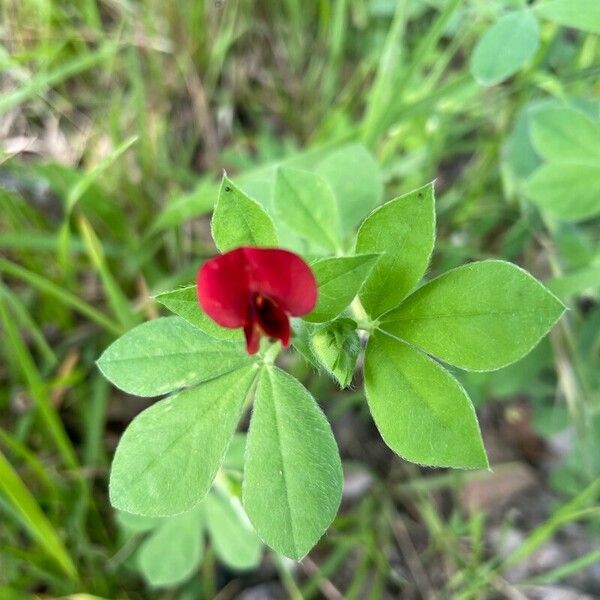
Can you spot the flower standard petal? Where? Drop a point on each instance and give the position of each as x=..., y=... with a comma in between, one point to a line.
x=284, y=277
x=222, y=286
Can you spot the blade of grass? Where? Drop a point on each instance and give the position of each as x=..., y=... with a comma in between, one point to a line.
x=329, y=567
x=116, y=298
x=37, y=389
x=63, y=296
x=382, y=89
x=337, y=41
x=77, y=191
x=84, y=183
x=43, y=80
x=427, y=45
x=32, y=517
x=40, y=242
x=572, y=511
x=33, y=462
x=286, y=577
x=566, y=570
x=93, y=454
x=25, y=320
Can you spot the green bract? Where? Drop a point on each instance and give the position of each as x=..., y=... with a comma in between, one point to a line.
x=480, y=316
x=336, y=347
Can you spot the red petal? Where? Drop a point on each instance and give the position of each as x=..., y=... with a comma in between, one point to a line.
x=222, y=286
x=226, y=285
x=282, y=276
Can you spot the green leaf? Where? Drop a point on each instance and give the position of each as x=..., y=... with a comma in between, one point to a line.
x=170, y=453
x=233, y=537
x=421, y=411
x=404, y=231
x=565, y=135
x=134, y=524
x=173, y=551
x=336, y=346
x=505, y=47
x=577, y=282
x=580, y=14
x=306, y=204
x=355, y=178
x=240, y=221
x=570, y=192
x=166, y=354
x=338, y=280
x=481, y=316
x=184, y=302
x=293, y=477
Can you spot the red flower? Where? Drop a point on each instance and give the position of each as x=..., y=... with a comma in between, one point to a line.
x=257, y=289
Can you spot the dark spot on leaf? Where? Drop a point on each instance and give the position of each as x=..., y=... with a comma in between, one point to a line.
x=227, y=188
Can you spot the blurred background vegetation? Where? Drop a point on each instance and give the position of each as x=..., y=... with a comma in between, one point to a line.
x=117, y=117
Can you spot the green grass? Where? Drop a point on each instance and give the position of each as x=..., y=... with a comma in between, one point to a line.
x=119, y=117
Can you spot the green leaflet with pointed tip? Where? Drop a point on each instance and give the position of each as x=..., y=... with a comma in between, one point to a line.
x=356, y=181
x=422, y=413
x=338, y=280
x=293, y=475
x=403, y=230
x=306, y=204
x=233, y=537
x=481, y=316
x=173, y=551
x=168, y=456
x=565, y=135
x=184, y=302
x=166, y=354
x=240, y=221
x=505, y=47
x=336, y=346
